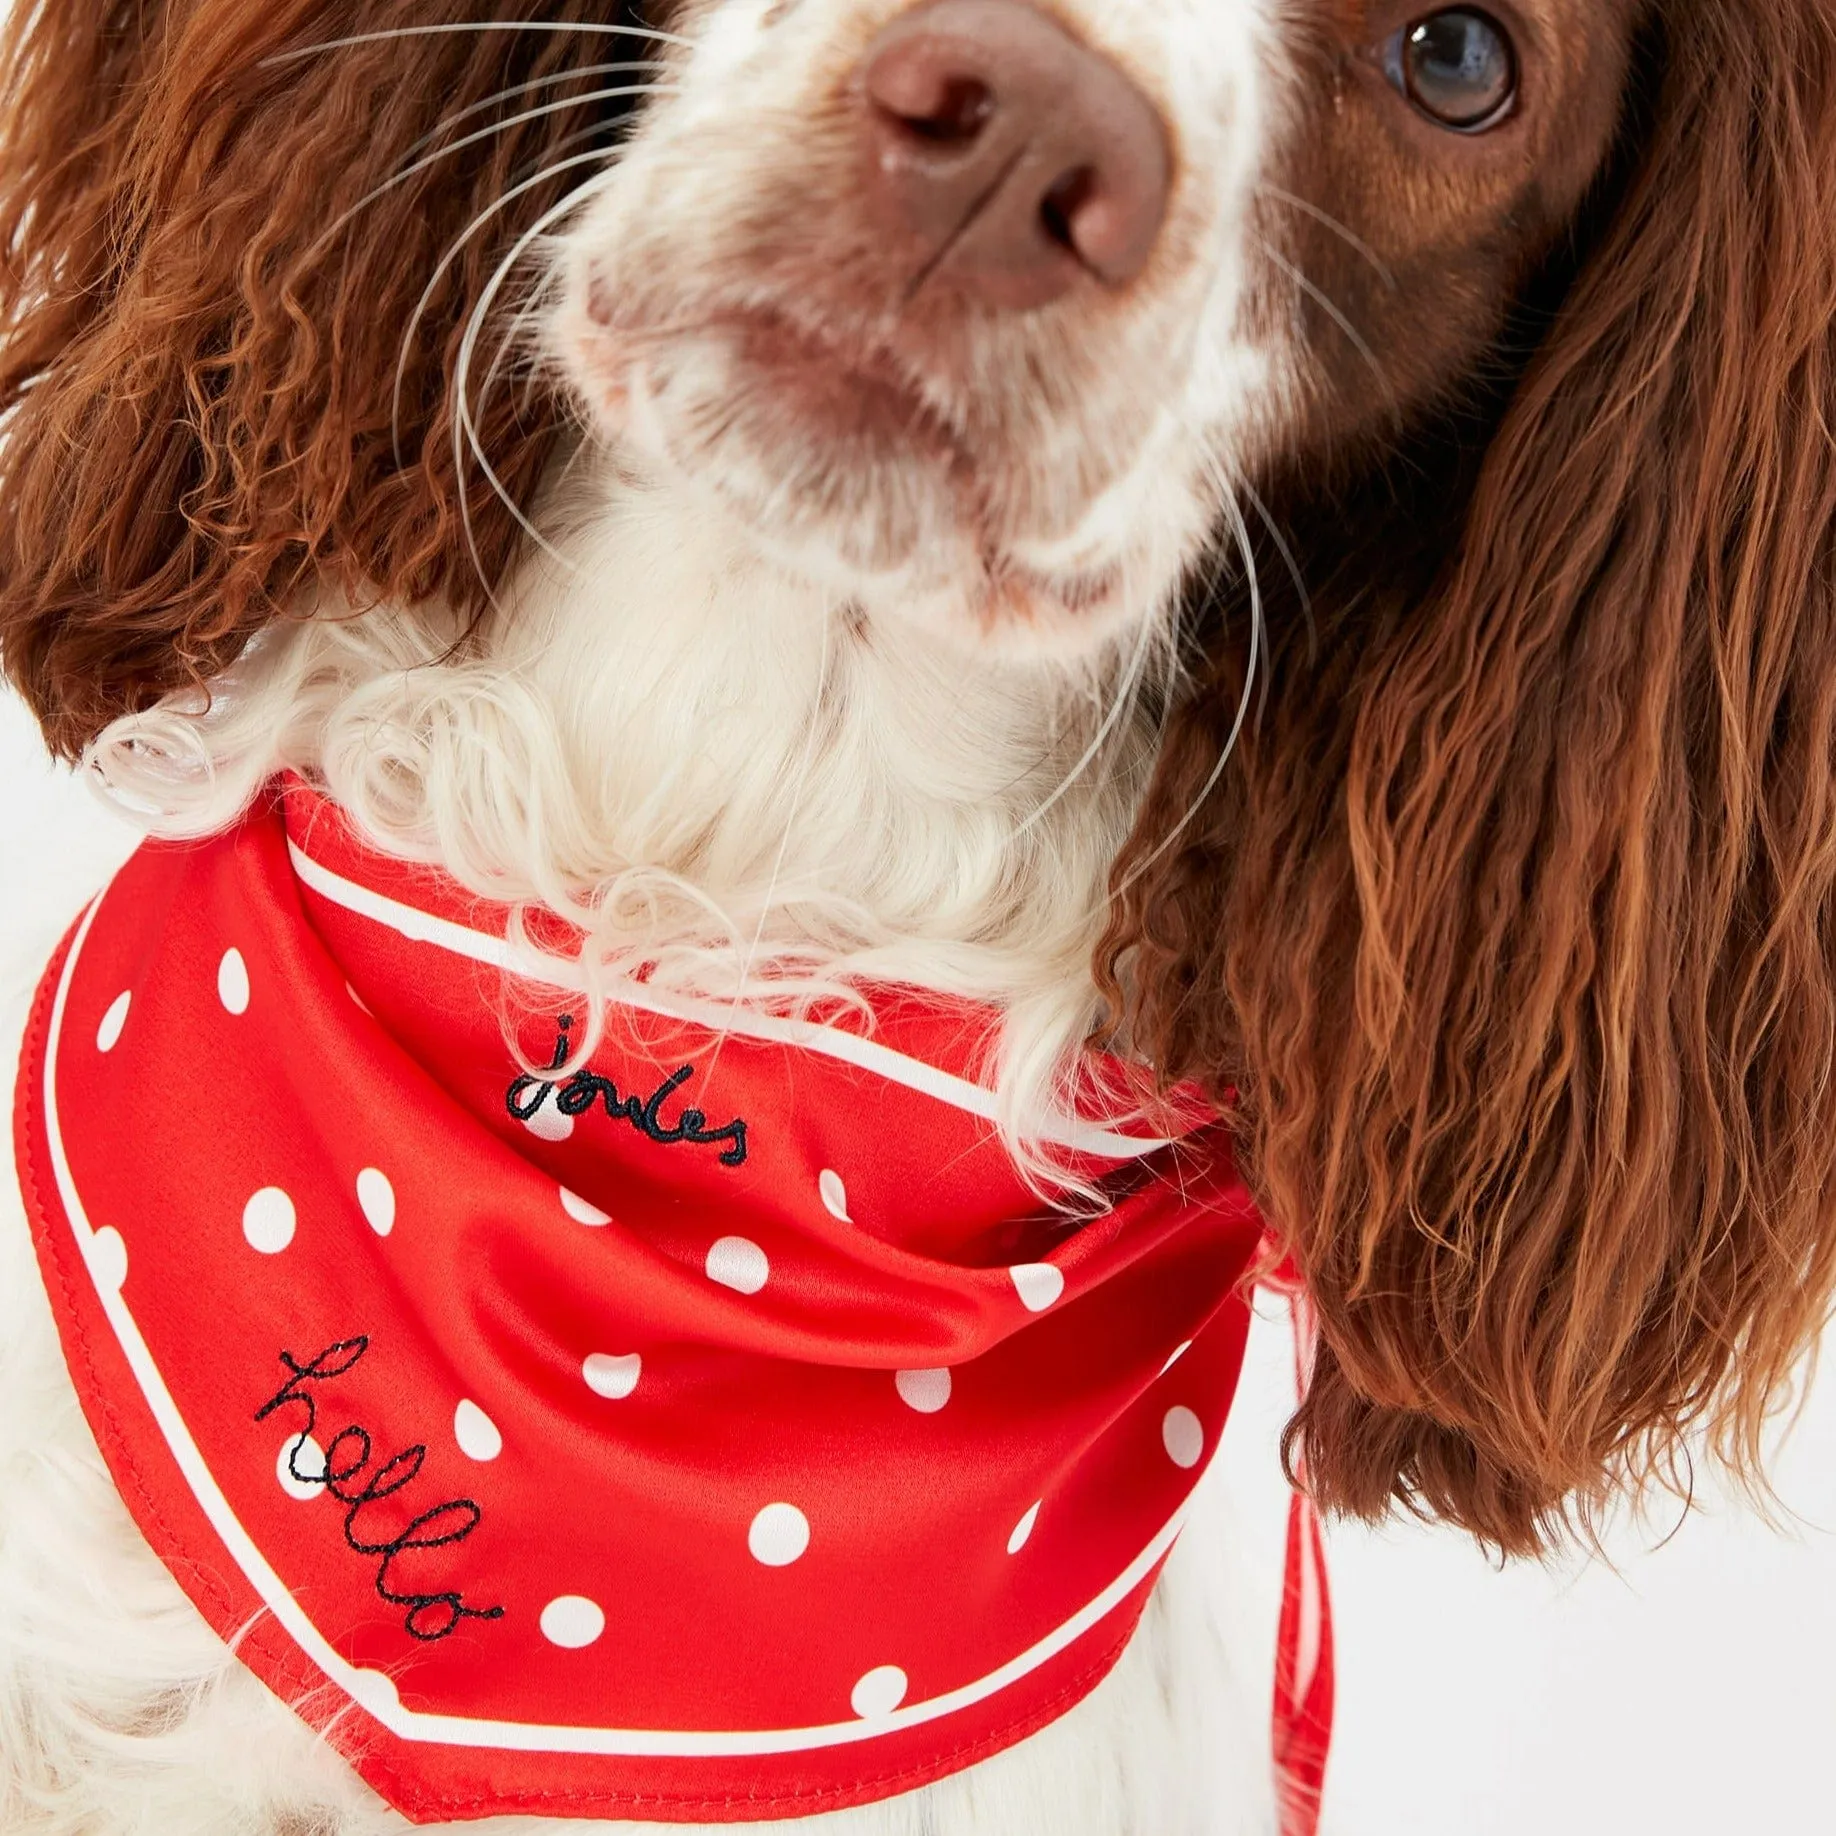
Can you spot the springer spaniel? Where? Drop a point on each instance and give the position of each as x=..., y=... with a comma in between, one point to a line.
x=1292, y=536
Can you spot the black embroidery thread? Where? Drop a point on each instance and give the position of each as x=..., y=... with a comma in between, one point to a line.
x=430, y=1617
x=581, y=1091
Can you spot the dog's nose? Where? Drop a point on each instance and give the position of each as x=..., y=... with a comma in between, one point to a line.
x=1016, y=159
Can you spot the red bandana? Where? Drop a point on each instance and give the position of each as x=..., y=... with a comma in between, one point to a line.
x=721, y=1432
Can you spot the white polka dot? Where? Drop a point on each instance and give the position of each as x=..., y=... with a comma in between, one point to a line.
x=581, y=1212
x=738, y=1263
x=879, y=1692
x=476, y=1433
x=549, y=1124
x=301, y=1455
x=1022, y=1530
x=377, y=1198
x=1038, y=1284
x=779, y=1535
x=612, y=1377
x=1178, y=1352
x=108, y=1259
x=1183, y=1436
x=108, y=1034
x=925, y=1391
x=834, y=1194
x=362, y=1006
x=268, y=1220
x=233, y=982
x=572, y=1621
x=373, y=1690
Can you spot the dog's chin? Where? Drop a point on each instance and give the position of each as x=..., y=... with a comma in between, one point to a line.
x=841, y=476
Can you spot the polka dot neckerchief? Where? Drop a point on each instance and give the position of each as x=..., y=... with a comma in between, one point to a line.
x=710, y=1425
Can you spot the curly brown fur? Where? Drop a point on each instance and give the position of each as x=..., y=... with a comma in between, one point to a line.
x=201, y=330
x=1513, y=921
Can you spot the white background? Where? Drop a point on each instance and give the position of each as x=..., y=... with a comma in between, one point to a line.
x=1688, y=1689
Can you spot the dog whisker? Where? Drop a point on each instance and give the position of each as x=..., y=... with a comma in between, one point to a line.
x=1336, y=314
x=552, y=169
x=377, y=192
x=464, y=433
x=1197, y=802
x=1121, y=703
x=503, y=127
x=1328, y=221
x=514, y=339
x=539, y=294
x=456, y=247
x=428, y=160
x=585, y=28
x=1291, y=566
x=552, y=80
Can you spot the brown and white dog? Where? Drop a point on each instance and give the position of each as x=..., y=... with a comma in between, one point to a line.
x=1297, y=529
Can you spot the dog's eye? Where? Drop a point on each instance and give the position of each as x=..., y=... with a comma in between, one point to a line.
x=1458, y=67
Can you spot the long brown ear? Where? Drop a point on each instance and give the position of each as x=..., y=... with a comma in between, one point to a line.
x=199, y=352
x=1516, y=924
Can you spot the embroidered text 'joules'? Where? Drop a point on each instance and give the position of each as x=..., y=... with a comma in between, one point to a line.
x=584, y=1088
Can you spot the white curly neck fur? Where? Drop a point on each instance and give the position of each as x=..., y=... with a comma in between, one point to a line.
x=733, y=781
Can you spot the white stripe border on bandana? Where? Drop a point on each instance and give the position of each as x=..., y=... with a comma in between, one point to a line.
x=373, y=1690
x=864, y=1054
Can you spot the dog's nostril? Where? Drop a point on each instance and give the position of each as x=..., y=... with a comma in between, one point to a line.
x=954, y=113
x=1061, y=207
